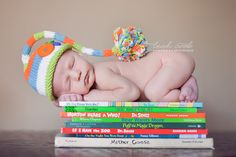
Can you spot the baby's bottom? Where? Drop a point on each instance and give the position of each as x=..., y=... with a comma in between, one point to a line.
x=175, y=70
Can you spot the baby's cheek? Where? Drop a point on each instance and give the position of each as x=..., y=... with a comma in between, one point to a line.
x=80, y=89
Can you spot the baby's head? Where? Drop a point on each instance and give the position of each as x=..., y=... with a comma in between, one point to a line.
x=73, y=75
x=56, y=67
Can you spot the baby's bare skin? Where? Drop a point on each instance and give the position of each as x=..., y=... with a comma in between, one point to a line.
x=159, y=76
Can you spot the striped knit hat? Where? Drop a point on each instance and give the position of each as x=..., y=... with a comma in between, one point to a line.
x=40, y=65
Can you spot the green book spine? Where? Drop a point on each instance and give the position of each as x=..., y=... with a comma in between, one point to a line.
x=128, y=109
x=160, y=120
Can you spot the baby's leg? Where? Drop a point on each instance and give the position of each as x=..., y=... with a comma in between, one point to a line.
x=175, y=71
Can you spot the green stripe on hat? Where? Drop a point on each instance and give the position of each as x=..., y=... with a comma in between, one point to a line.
x=77, y=47
x=25, y=66
x=39, y=35
x=51, y=70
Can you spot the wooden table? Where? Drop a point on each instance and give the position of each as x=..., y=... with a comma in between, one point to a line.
x=41, y=144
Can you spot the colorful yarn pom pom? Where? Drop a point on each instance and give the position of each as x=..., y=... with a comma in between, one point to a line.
x=129, y=44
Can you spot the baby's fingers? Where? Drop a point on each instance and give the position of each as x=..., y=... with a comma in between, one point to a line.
x=78, y=97
x=70, y=97
x=64, y=97
x=75, y=97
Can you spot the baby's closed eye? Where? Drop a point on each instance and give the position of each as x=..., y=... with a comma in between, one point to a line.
x=68, y=83
x=72, y=62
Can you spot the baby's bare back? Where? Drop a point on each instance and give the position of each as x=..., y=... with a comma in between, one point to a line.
x=141, y=71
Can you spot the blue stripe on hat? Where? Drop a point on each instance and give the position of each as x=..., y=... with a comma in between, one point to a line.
x=59, y=37
x=97, y=53
x=26, y=50
x=34, y=72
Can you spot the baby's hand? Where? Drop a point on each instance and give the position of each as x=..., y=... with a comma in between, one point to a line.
x=70, y=97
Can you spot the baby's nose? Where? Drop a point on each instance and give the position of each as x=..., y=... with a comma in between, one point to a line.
x=75, y=75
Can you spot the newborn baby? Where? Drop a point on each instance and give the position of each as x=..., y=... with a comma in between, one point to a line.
x=57, y=70
x=159, y=76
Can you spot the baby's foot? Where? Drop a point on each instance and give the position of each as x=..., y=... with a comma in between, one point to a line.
x=189, y=91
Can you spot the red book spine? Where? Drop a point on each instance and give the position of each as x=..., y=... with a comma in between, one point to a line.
x=130, y=115
x=131, y=131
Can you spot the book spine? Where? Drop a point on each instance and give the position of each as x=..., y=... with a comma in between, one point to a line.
x=133, y=142
x=131, y=131
x=128, y=109
x=152, y=120
x=130, y=115
x=185, y=136
x=136, y=125
x=134, y=104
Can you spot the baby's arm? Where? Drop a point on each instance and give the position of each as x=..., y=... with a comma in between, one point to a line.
x=114, y=87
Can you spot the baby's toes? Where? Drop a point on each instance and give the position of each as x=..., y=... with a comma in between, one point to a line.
x=186, y=91
x=193, y=96
x=181, y=97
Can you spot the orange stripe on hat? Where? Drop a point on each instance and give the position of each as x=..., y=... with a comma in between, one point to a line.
x=29, y=66
x=68, y=40
x=30, y=42
x=108, y=53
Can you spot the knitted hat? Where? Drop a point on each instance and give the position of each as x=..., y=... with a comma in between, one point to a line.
x=39, y=66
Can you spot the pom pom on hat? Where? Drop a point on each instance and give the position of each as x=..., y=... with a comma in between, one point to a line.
x=129, y=44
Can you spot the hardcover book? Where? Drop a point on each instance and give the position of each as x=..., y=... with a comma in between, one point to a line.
x=130, y=115
x=64, y=141
x=133, y=104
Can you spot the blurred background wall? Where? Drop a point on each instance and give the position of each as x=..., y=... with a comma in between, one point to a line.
x=209, y=24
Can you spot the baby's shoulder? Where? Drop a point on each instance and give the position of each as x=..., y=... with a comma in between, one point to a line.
x=103, y=71
x=105, y=67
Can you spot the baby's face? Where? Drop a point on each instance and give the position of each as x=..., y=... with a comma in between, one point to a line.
x=73, y=75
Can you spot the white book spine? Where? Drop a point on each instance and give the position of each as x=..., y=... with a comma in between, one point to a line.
x=119, y=103
x=83, y=103
x=132, y=142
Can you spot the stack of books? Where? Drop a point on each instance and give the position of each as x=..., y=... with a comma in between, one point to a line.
x=133, y=125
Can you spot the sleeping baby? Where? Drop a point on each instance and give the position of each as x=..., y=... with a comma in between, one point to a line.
x=57, y=70
x=159, y=76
